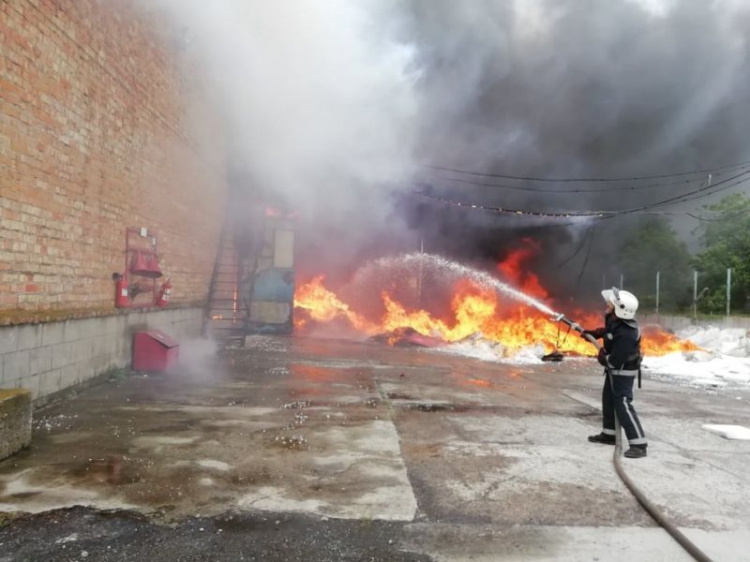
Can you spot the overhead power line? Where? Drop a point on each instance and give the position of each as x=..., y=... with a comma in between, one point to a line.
x=719, y=219
x=512, y=211
x=706, y=191
x=555, y=191
x=700, y=193
x=588, y=255
x=584, y=240
x=564, y=180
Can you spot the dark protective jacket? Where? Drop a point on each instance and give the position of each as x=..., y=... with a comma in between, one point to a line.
x=622, y=344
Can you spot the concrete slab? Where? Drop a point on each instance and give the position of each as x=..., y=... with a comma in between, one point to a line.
x=361, y=475
x=15, y=421
x=464, y=543
x=466, y=460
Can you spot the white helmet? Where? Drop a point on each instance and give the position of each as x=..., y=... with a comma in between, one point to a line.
x=625, y=303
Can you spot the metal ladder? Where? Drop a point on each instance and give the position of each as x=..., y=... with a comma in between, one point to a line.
x=224, y=315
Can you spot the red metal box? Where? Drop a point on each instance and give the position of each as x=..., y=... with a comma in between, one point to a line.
x=154, y=351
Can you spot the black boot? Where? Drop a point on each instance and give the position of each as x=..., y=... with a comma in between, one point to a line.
x=636, y=452
x=602, y=438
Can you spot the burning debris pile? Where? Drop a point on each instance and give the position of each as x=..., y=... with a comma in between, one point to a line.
x=418, y=306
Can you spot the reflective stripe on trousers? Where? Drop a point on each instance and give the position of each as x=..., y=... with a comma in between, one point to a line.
x=617, y=399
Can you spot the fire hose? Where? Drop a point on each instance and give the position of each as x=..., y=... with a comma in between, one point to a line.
x=650, y=508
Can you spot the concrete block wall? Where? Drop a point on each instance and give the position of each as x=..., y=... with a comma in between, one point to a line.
x=49, y=357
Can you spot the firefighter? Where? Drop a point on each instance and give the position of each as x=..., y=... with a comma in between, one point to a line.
x=621, y=357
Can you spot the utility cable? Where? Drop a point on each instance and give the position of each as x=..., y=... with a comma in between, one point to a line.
x=704, y=191
x=570, y=258
x=563, y=180
x=512, y=211
x=555, y=191
x=729, y=215
x=586, y=259
x=726, y=215
x=699, y=196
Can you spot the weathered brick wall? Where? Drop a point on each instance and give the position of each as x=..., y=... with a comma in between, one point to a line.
x=103, y=125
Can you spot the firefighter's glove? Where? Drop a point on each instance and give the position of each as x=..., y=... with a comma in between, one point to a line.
x=602, y=357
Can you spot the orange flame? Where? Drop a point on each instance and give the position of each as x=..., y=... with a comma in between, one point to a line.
x=656, y=342
x=321, y=305
x=512, y=269
x=475, y=310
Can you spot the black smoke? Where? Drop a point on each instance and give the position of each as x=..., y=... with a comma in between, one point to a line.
x=545, y=88
x=341, y=108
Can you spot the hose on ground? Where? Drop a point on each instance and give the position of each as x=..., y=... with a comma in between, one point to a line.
x=650, y=508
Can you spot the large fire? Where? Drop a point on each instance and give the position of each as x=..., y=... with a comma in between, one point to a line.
x=475, y=310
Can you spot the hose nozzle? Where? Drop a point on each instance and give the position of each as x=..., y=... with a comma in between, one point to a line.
x=577, y=327
x=565, y=320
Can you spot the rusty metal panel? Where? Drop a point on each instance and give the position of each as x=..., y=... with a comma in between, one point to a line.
x=266, y=312
x=283, y=255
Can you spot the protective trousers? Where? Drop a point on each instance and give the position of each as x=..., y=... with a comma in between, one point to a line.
x=617, y=399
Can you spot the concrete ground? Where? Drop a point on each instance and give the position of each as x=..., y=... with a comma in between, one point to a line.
x=298, y=449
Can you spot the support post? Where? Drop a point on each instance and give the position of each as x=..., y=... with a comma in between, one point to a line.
x=729, y=290
x=622, y=281
x=658, y=279
x=695, y=294
x=419, y=279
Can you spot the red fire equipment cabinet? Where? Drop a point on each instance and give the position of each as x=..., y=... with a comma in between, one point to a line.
x=136, y=286
x=154, y=351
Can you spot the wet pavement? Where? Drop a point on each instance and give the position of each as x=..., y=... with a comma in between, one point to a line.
x=295, y=449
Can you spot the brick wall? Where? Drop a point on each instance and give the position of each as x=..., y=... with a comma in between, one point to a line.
x=104, y=125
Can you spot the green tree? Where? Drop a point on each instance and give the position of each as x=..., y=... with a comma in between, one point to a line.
x=650, y=247
x=725, y=234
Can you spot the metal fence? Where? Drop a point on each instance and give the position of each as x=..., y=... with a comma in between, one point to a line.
x=652, y=298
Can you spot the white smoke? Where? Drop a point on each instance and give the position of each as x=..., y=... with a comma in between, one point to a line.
x=198, y=358
x=331, y=103
x=320, y=97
